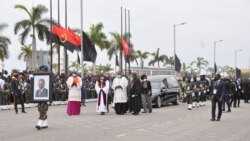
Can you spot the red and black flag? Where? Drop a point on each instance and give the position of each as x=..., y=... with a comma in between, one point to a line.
x=125, y=48
x=89, y=51
x=62, y=36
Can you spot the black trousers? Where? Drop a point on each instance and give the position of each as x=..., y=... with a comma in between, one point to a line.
x=19, y=98
x=226, y=100
x=219, y=103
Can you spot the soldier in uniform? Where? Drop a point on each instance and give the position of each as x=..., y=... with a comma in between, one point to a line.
x=183, y=85
x=204, y=87
x=27, y=90
x=64, y=90
x=189, y=92
x=43, y=107
x=197, y=93
x=7, y=91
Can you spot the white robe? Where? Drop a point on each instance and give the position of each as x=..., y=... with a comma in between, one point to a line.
x=120, y=95
x=75, y=91
x=102, y=107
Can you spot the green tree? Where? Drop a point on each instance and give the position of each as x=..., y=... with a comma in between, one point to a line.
x=4, y=43
x=142, y=56
x=191, y=70
x=34, y=25
x=169, y=61
x=200, y=63
x=115, y=45
x=26, y=54
x=75, y=66
x=157, y=58
x=98, y=37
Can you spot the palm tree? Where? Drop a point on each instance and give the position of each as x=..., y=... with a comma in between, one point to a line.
x=210, y=71
x=169, y=60
x=192, y=70
x=157, y=58
x=34, y=25
x=115, y=45
x=26, y=54
x=200, y=63
x=4, y=43
x=142, y=56
x=98, y=38
x=75, y=66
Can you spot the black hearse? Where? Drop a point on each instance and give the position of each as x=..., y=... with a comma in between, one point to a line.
x=165, y=90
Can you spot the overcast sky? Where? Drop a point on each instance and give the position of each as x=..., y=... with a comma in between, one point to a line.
x=152, y=27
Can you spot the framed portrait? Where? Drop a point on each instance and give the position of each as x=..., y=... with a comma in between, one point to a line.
x=41, y=87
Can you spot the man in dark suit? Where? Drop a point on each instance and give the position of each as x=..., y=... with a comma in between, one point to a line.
x=216, y=96
x=41, y=92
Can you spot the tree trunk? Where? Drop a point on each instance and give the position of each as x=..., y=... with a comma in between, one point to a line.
x=34, y=56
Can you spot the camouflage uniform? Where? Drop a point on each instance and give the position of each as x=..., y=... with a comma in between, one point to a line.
x=43, y=108
x=183, y=86
x=27, y=92
x=64, y=91
x=189, y=92
x=6, y=92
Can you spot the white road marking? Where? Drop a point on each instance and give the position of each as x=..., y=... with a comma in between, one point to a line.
x=121, y=135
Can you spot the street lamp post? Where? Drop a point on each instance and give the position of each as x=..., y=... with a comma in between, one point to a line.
x=175, y=25
x=236, y=51
x=215, y=51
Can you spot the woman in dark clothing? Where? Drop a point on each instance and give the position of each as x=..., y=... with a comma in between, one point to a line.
x=135, y=93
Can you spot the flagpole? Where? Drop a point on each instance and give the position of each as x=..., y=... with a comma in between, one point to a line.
x=65, y=50
x=82, y=72
x=125, y=24
x=129, y=41
x=120, y=65
x=58, y=49
x=51, y=48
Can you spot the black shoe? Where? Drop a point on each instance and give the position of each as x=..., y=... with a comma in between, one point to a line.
x=44, y=127
x=218, y=119
x=212, y=119
x=136, y=114
x=24, y=112
x=38, y=127
x=102, y=113
x=229, y=111
x=150, y=111
x=16, y=112
x=143, y=112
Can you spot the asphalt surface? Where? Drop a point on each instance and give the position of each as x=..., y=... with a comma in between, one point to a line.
x=168, y=123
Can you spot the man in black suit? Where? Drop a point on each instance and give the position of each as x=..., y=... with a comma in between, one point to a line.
x=216, y=96
x=41, y=92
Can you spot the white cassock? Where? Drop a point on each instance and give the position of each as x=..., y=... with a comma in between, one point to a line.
x=120, y=95
x=74, y=91
x=102, y=97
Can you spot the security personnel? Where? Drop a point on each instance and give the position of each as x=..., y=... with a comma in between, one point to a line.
x=43, y=107
x=189, y=92
x=183, y=85
x=204, y=89
x=216, y=96
x=196, y=93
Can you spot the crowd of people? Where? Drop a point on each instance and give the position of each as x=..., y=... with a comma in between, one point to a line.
x=127, y=94
x=224, y=92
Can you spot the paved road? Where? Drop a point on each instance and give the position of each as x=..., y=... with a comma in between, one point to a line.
x=169, y=123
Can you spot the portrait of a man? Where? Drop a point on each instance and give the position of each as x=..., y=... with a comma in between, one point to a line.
x=41, y=91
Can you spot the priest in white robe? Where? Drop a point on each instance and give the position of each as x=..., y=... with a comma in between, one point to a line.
x=102, y=90
x=119, y=86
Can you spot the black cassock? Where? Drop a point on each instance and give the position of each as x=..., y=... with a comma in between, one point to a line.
x=135, y=94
